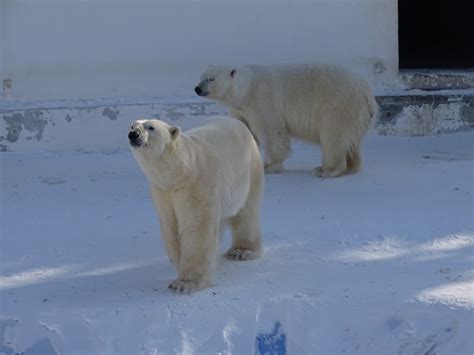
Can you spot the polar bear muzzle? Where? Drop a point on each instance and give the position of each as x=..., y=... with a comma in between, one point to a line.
x=135, y=138
x=200, y=91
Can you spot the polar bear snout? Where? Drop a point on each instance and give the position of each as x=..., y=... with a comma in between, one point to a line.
x=200, y=91
x=133, y=135
x=134, y=138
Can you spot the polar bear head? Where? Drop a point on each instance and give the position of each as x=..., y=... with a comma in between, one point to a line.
x=152, y=136
x=223, y=83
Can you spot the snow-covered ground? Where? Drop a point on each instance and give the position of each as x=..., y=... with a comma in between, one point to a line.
x=381, y=262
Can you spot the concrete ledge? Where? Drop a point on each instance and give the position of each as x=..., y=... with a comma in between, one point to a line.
x=433, y=80
x=421, y=115
x=101, y=125
x=90, y=126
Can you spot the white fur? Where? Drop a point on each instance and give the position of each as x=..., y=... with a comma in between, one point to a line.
x=200, y=181
x=323, y=104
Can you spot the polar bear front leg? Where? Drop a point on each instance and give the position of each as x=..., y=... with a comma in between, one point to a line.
x=168, y=223
x=198, y=240
x=198, y=245
x=277, y=147
x=276, y=151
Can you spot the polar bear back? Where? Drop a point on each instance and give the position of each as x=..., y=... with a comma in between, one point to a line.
x=238, y=157
x=320, y=96
x=226, y=135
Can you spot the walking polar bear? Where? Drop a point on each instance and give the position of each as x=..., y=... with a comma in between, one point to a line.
x=323, y=104
x=200, y=181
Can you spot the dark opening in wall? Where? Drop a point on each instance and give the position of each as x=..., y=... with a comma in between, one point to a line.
x=436, y=34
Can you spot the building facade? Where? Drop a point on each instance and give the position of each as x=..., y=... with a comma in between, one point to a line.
x=75, y=67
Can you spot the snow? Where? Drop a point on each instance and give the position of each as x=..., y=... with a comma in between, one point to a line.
x=375, y=263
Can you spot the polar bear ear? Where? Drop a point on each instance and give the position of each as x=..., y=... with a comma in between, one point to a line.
x=175, y=131
x=233, y=73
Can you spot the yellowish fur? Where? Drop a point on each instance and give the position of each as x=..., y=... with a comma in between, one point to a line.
x=200, y=181
x=323, y=104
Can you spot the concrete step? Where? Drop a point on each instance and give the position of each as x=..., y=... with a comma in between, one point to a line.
x=101, y=125
x=420, y=113
x=435, y=80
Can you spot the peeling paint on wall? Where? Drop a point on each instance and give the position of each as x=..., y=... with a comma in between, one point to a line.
x=467, y=114
x=389, y=112
x=438, y=81
x=64, y=126
x=30, y=120
x=417, y=115
x=110, y=114
x=77, y=125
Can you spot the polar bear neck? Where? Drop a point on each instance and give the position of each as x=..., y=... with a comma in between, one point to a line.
x=173, y=169
x=240, y=89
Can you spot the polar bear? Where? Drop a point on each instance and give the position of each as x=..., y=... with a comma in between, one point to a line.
x=201, y=181
x=324, y=104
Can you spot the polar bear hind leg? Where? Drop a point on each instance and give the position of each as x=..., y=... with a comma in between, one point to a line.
x=338, y=161
x=245, y=225
x=353, y=160
x=334, y=158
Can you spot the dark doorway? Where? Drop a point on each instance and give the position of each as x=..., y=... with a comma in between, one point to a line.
x=436, y=34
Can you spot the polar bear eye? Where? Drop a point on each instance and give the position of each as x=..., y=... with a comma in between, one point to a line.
x=150, y=128
x=212, y=79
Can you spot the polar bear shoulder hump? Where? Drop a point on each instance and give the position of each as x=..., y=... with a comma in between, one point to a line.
x=221, y=125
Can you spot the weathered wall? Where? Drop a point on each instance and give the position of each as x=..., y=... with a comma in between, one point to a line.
x=101, y=125
x=86, y=49
x=91, y=125
x=75, y=73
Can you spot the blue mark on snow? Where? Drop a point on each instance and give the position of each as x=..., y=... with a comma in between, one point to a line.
x=273, y=343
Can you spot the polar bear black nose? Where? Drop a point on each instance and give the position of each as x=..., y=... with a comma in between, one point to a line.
x=198, y=90
x=133, y=135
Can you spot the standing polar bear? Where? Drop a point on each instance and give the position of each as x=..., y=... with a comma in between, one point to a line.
x=200, y=181
x=323, y=104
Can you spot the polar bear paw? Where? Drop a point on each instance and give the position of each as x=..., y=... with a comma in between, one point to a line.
x=322, y=173
x=182, y=286
x=241, y=254
x=274, y=168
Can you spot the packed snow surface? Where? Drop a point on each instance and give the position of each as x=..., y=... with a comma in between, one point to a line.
x=381, y=262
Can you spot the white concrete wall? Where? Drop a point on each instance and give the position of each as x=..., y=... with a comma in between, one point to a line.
x=75, y=73
x=88, y=49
